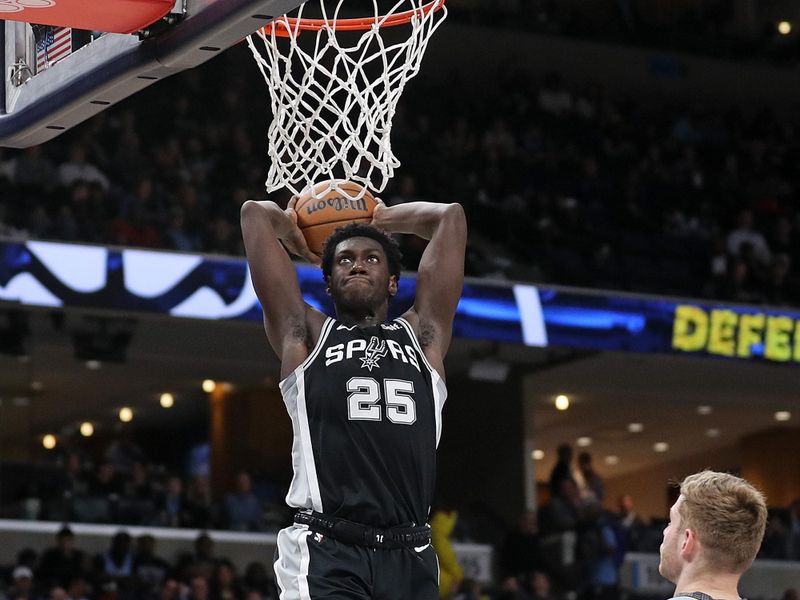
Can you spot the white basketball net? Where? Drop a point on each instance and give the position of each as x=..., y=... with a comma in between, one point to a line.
x=333, y=104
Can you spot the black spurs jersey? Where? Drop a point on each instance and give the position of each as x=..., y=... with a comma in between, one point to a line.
x=366, y=411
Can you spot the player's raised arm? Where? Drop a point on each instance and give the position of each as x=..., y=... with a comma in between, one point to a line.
x=441, y=269
x=264, y=227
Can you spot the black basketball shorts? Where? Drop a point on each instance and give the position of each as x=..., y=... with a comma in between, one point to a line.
x=311, y=566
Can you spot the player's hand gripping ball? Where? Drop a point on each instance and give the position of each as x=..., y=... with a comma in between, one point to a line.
x=320, y=216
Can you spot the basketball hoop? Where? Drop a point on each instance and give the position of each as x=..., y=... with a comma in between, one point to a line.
x=333, y=97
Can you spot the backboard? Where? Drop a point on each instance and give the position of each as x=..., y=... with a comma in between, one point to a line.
x=55, y=78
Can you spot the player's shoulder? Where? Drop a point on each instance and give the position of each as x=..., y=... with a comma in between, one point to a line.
x=315, y=320
x=412, y=318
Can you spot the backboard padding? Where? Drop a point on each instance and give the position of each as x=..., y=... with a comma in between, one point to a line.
x=118, y=16
x=116, y=66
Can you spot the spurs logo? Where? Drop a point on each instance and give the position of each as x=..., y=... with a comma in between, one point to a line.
x=374, y=352
x=7, y=6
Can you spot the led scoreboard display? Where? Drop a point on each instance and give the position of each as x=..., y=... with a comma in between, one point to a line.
x=50, y=274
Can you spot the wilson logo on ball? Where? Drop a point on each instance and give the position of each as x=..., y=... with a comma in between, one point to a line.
x=338, y=203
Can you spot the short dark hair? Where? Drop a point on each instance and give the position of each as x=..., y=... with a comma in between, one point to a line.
x=65, y=531
x=564, y=451
x=390, y=247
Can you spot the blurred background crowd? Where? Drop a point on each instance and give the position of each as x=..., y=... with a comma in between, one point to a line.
x=561, y=184
x=572, y=547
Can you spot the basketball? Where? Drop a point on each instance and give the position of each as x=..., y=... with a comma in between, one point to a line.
x=320, y=216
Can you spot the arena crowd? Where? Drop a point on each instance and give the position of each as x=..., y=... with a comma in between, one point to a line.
x=562, y=184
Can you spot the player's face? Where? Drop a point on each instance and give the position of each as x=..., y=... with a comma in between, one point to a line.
x=360, y=274
x=670, y=565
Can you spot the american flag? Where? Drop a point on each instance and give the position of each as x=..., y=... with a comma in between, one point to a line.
x=54, y=44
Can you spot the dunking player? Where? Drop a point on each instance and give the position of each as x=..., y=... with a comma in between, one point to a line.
x=365, y=397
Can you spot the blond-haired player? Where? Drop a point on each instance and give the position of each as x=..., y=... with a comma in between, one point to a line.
x=714, y=533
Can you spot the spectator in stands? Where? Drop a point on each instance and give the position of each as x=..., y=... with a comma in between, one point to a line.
x=7, y=230
x=71, y=483
x=106, y=483
x=149, y=569
x=63, y=562
x=200, y=562
x=743, y=280
x=778, y=286
x=745, y=233
x=224, y=584
x=562, y=469
x=27, y=557
x=520, y=552
x=22, y=586
x=242, y=507
x=560, y=518
x=170, y=589
x=202, y=510
x=78, y=588
x=541, y=587
x=6, y=167
x=34, y=170
x=222, y=237
x=629, y=522
x=254, y=595
x=172, y=510
x=793, y=547
x=470, y=590
x=116, y=563
x=776, y=539
x=137, y=505
x=563, y=511
x=177, y=236
x=257, y=578
x=123, y=453
x=592, y=489
x=199, y=588
x=100, y=503
x=499, y=142
x=554, y=98
x=77, y=168
x=39, y=223
x=598, y=546
x=135, y=229
x=511, y=589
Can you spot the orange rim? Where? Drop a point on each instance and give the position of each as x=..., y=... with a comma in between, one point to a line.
x=357, y=24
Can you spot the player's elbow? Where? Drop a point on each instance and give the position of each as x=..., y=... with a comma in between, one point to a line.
x=255, y=215
x=249, y=208
x=456, y=218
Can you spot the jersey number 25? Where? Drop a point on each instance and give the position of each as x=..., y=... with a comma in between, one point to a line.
x=365, y=395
